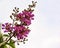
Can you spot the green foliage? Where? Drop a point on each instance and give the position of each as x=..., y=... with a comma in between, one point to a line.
x=1, y=38
x=6, y=35
x=11, y=43
x=4, y=46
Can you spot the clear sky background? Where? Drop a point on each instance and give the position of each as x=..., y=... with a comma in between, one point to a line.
x=45, y=29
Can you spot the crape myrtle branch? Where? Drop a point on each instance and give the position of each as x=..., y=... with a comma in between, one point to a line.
x=19, y=31
x=3, y=43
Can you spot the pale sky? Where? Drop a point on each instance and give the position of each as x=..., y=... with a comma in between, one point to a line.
x=45, y=29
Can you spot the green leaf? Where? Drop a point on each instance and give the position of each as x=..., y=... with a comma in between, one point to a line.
x=11, y=43
x=5, y=46
x=2, y=47
x=1, y=38
x=6, y=35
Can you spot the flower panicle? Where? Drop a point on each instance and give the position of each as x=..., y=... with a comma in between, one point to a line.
x=21, y=22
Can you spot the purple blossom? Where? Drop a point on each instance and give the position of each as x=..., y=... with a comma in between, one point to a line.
x=7, y=27
x=21, y=31
x=21, y=21
x=25, y=17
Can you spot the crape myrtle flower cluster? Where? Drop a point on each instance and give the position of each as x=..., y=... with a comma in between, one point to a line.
x=25, y=17
x=7, y=27
x=20, y=30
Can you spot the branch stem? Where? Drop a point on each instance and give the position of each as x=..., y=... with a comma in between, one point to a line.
x=5, y=41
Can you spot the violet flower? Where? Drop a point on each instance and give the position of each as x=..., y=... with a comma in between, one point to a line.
x=21, y=31
x=7, y=27
x=25, y=17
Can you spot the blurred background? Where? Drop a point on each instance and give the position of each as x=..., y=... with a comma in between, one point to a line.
x=45, y=29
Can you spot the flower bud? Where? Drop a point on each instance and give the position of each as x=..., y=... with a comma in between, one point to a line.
x=11, y=17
